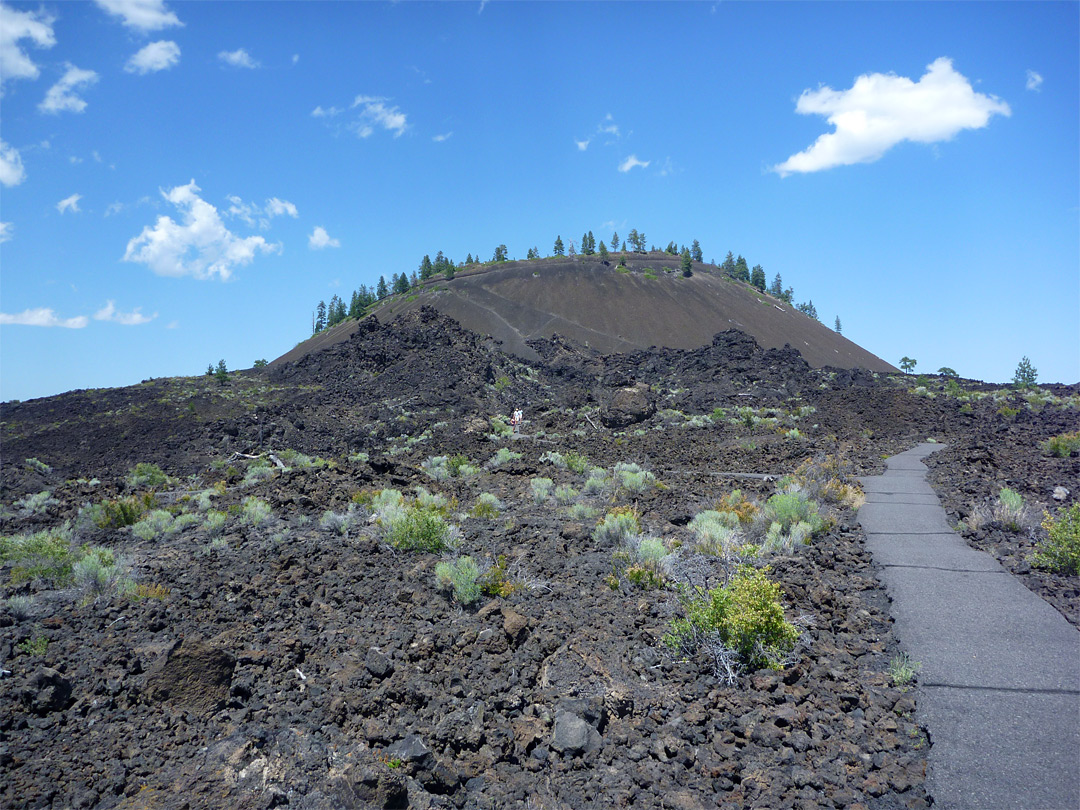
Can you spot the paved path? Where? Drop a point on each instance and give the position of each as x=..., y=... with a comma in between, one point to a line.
x=999, y=688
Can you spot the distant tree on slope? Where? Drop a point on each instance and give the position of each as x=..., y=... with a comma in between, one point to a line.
x=695, y=251
x=559, y=249
x=687, y=263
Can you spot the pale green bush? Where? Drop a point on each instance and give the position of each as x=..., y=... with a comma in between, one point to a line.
x=461, y=576
x=541, y=489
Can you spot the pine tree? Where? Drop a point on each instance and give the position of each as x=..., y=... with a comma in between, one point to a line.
x=837, y=326
x=757, y=278
x=426, y=270
x=354, y=305
x=381, y=290
x=572, y=252
x=695, y=251
x=559, y=249
x=468, y=259
x=320, y=316
x=742, y=272
x=777, y=286
x=729, y=265
x=602, y=251
x=414, y=280
x=808, y=308
x=1026, y=375
x=674, y=251
x=500, y=254
x=615, y=241
x=221, y=373
x=448, y=273
x=687, y=263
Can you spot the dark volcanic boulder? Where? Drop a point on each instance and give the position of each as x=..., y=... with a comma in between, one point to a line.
x=193, y=676
x=628, y=406
x=46, y=691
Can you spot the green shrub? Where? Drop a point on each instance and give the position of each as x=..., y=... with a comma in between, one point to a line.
x=500, y=429
x=487, y=506
x=541, y=489
x=1060, y=551
x=124, y=511
x=38, y=466
x=565, y=494
x=254, y=511
x=576, y=462
x=440, y=503
x=459, y=466
x=44, y=555
x=20, y=607
x=259, y=470
x=714, y=532
x=554, y=457
x=418, y=529
x=599, y=482
x=462, y=576
x=617, y=527
x=644, y=562
x=99, y=573
x=147, y=476
x=744, y=617
x=1062, y=446
x=632, y=478
x=338, y=522
x=154, y=525
x=1011, y=512
x=37, y=504
x=789, y=509
x=36, y=646
x=502, y=457
x=903, y=670
x=581, y=511
x=215, y=522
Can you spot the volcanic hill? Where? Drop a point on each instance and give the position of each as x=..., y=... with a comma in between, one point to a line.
x=613, y=309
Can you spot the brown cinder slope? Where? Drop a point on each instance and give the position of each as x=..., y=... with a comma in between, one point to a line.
x=615, y=310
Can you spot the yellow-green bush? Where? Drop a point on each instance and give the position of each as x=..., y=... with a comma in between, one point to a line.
x=1060, y=551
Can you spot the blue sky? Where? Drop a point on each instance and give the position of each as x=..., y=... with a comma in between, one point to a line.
x=183, y=182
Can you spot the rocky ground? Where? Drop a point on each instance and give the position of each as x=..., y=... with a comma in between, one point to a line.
x=290, y=658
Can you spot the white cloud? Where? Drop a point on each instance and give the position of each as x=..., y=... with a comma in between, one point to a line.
x=632, y=162
x=320, y=239
x=443, y=137
x=277, y=208
x=69, y=204
x=114, y=208
x=74, y=160
x=11, y=165
x=376, y=114
x=35, y=26
x=238, y=58
x=582, y=145
x=201, y=246
x=254, y=214
x=156, y=56
x=608, y=126
x=144, y=15
x=7, y=232
x=133, y=318
x=42, y=316
x=881, y=110
x=96, y=156
x=1034, y=81
x=61, y=96
x=319, y=112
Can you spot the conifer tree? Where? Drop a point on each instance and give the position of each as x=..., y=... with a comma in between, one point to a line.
x=602, y=251
x=500, y=254
x=426, y=270
x=757, y=278
x=729, y=264
x=837, y=326
x=559, y=249
x=742, y=272
x=320, y=316
x=381, y=290
x=695, y=251
x=615, y=240
x=687, y=263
